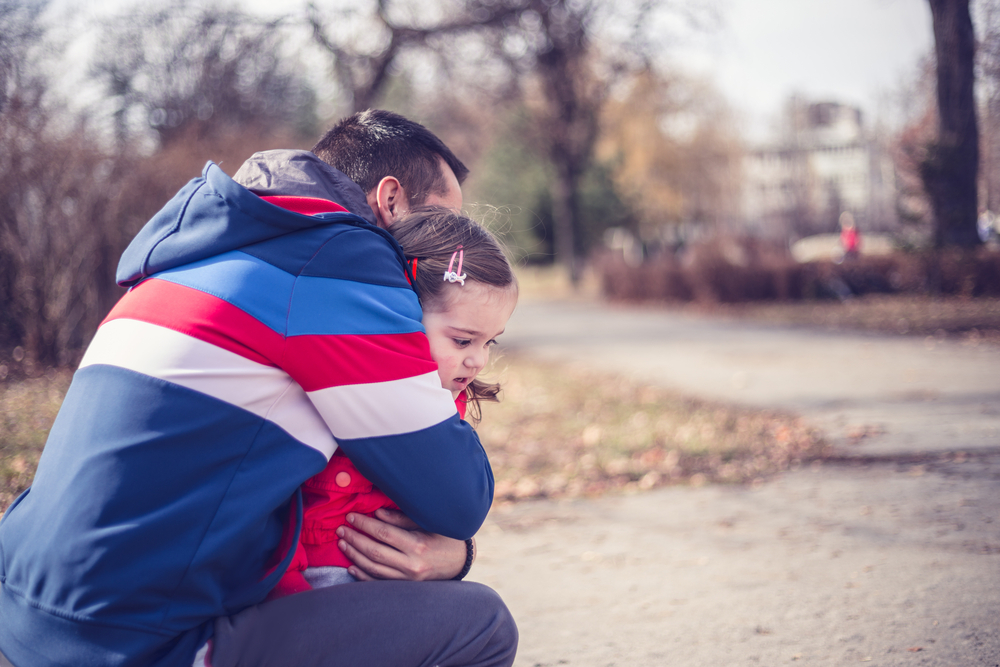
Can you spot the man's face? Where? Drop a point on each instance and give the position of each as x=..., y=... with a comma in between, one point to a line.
x=452, y=197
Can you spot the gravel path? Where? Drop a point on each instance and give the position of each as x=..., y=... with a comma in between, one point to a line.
x=887, y=555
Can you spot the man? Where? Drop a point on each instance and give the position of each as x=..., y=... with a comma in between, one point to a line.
x=265, y=326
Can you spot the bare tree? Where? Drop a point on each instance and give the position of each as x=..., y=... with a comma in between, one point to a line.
x=552, y=61
x=22, y=91
x=950, y=170
x=69, y=201
x=568, y=117
x=194, y=72
x=56, y=264
x=20, y=34
x=575, y=52
x=988, y=79
x=675, y=150
x=362, y=58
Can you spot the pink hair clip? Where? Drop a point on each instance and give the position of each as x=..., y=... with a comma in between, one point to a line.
x=456, y=276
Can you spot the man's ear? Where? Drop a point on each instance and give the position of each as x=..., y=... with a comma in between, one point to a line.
x=388, y=201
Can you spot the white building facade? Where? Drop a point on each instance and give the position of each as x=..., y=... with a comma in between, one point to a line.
x=824, y=165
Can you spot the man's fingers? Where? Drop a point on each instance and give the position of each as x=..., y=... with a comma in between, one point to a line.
x=381, y=531
x=359, y=574
x=368, y=568
x=387, y=551
x=370, y=547
x=397, y=518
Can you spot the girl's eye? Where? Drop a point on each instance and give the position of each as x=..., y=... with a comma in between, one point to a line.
x=491, y=342
x=462, y=342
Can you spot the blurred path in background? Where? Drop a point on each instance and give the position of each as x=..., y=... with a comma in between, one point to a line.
x=889, y=554
x=886, y=395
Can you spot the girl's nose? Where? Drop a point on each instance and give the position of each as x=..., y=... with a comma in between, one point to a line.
x=477, y=360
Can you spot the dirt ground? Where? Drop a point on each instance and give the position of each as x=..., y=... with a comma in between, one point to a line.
x=887, y=554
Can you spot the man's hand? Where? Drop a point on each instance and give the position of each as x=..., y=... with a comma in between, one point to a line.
x=395, y=548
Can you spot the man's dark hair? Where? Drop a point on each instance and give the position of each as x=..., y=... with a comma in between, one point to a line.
x=373, y=144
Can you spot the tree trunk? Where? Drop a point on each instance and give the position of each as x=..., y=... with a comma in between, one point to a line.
x=565, y=218
x=570, y=122
x=950, y=170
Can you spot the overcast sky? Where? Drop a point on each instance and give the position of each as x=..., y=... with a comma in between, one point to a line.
x=836, y=50
x=765, y=50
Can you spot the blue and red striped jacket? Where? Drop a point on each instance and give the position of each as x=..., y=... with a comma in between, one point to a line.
x=255, y=341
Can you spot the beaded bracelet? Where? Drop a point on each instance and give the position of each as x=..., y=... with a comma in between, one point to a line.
x=470, y=553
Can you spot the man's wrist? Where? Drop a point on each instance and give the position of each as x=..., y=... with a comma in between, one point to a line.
x=470, y=555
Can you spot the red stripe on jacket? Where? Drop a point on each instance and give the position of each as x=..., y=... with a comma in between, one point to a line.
x=315, y=361
x=200, y=315
x=318, y=362
x=305, y=205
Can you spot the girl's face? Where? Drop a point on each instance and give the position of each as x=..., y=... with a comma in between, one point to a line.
x=462, y=333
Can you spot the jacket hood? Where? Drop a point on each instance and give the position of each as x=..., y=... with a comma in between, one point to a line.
x=301, y=174
x=214, y=213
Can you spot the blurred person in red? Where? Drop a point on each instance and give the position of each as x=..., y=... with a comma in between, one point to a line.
x=850, y=237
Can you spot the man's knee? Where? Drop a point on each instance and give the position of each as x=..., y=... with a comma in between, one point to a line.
x=506, y=636
x=486, y=601
x=502, y=645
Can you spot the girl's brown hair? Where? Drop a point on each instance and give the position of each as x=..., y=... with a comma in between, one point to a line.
x=429, y=237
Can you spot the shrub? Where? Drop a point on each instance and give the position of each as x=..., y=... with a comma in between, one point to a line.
x=734, y=270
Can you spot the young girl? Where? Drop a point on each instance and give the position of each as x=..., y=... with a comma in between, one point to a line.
x=467, y=291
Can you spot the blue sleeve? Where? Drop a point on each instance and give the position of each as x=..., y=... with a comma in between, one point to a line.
x=440, y=477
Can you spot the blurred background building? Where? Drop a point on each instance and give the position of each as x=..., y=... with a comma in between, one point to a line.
x=824, y=163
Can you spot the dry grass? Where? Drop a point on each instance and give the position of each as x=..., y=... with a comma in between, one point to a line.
x=563, y=433
x=27, y=409
x=552, y=282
